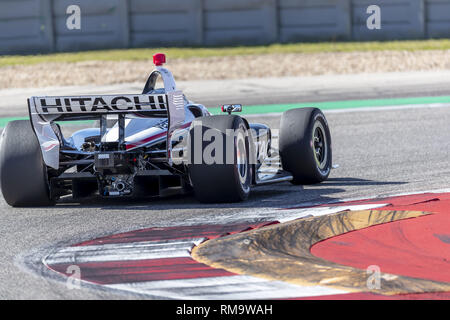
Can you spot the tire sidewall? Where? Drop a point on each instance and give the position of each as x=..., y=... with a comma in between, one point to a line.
x=319, y=117
x=244, y=187
x=23, y=178
x=296, y=145
x=215, y=183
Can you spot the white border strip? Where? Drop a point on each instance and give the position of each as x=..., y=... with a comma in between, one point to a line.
x=358, y=109
x=123, y=251
x=224, y=288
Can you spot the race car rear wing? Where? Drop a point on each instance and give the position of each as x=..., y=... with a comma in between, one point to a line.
x=45, y=110
x=92, y=105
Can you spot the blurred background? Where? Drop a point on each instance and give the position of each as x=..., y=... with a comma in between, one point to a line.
x=32, y=26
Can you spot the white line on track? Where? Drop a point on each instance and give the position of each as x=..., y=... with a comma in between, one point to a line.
x=372, y=198
x=123, y=251
x=359, y=109
x=227, y=287
x=282, y=215
x=392, y=107
x=320, y=211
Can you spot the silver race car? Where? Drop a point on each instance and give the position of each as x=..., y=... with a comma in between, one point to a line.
x=155, y=143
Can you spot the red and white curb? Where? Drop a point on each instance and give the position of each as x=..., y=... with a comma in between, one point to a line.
x=143, y=250
x=156, y=262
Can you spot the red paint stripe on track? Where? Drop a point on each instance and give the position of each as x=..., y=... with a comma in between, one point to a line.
x=174, y=233
x=394, y=201
x=113, y=272
x=418, y=247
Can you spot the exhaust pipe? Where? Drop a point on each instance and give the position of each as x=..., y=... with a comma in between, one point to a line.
x=120, y=186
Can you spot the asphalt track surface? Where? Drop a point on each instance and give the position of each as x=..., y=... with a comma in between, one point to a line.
x=379, y=152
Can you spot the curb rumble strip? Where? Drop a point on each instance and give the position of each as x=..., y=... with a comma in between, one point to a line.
x=157, y=262
x=149, y=262
x=287, y=246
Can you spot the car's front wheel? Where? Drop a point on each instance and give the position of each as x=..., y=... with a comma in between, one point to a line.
x=305, y=145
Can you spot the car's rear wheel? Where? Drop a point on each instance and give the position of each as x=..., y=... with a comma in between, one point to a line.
x=220, y=171
x=23, y=175
x=305, y=145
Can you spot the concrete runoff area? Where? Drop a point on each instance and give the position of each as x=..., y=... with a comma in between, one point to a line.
x=262, y=91
x=235, y=67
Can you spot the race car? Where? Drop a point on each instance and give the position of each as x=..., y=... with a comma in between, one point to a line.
x=156, y=143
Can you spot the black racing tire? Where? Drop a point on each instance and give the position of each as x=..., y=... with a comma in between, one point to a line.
x=221, y=180
x=305, y=145
x=23, y=176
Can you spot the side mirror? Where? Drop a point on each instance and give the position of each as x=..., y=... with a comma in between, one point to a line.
x=232, y=108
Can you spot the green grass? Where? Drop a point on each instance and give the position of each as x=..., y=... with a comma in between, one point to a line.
x=189, y=52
